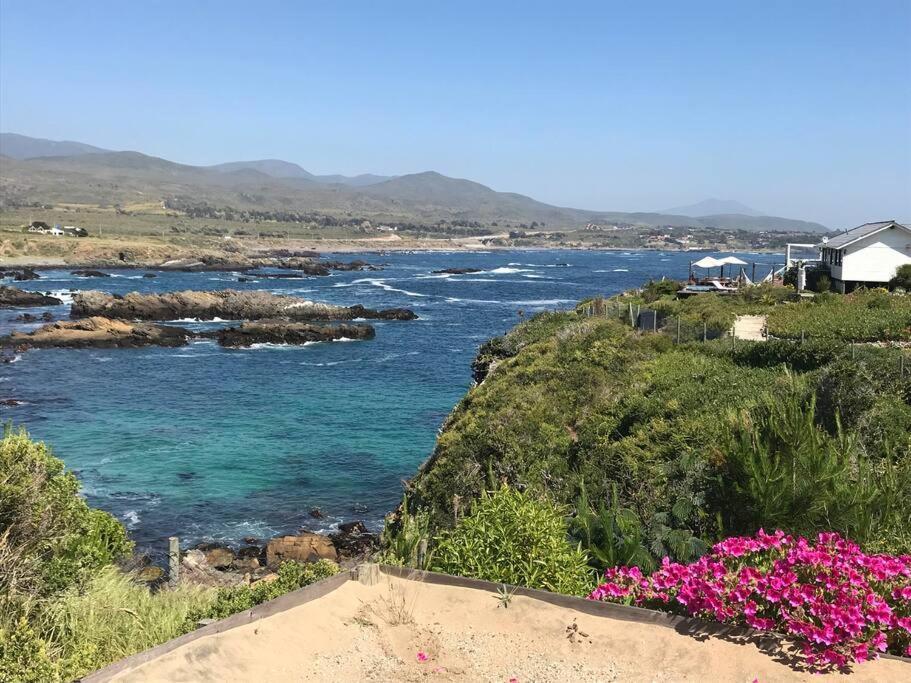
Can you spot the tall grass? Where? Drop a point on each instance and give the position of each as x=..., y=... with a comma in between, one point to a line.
x=114, y=617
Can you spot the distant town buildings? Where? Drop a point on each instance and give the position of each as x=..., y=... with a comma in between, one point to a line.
x=42, y=228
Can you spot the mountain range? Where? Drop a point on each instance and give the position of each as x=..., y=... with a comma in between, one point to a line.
x=51, y=172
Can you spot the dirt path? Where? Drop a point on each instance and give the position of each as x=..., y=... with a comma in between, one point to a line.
x=750, y=327
x=400, y=630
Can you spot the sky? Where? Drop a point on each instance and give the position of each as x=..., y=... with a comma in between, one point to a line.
x=799, y=109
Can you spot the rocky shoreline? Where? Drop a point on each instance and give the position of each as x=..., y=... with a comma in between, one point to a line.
x=219, y=565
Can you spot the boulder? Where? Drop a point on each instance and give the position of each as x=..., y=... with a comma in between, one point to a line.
x=11, y=297
x=149, y=275
x=306, y=547
x=246, y=564
x=316, y=513
x=219, y=557
x=352, y=540
x=457, y=271
x=150, y=574
x=97, y=332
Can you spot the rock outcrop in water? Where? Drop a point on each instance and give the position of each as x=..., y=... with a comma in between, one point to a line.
x=281, y=332
x=97, y=332
x=89, y=273
x=226, y=304
x=11, y=297
x=457, y=271
x=20, y=275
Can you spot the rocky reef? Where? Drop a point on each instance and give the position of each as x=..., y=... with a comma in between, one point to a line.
x=281, y=332
x=20, y=275
x=11, y=297
x=226, y=304
x=457, y=271
x=97, y=332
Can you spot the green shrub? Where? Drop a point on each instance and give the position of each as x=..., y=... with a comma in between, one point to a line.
x=782, y=471
x=902, y=278
x=50, y=539
x=291, y=576
x=23, y=655
x=510, y=537
x=402, y=535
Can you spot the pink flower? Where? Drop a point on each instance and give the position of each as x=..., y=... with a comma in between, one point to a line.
x=422, y=656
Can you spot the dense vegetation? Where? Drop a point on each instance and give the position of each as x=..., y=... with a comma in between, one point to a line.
x=661, y=448
x=66, y=607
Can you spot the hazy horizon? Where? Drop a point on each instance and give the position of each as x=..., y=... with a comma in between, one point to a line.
x=802, y=111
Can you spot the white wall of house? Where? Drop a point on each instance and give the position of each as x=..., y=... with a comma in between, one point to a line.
x=875, y=258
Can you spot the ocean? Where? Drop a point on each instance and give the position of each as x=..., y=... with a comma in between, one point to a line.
x=212, y=444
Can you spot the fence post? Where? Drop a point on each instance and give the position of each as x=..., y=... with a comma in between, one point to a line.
x=801, y=336
x=705, y=332
x=173, y=560
x=422, y=553
x=655, y=321
x=678, y=329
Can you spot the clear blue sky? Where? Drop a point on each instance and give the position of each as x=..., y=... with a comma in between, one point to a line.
x=797, y=108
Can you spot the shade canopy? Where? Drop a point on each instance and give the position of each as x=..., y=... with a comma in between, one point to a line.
x=708, y=262
x=733, y=260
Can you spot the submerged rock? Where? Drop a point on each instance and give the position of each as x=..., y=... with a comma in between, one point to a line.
x=279, y=332
x=89, y=273
x=228, y=304
x=457, y=271
x=11, y=297
x=149, y=275
x=46, y=317
x=306, y=547
x=97, y=332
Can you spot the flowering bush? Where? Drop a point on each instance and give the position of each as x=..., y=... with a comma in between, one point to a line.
x=840, y=604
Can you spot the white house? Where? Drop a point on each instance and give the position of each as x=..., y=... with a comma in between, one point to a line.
x=867, y=255
x=55, y=231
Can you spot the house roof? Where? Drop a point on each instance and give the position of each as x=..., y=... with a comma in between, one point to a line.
x=861, y=231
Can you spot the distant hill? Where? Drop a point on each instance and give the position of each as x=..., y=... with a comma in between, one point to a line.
x=134, y=179
x=285, y=169
x=18, y=146
x=713, y=207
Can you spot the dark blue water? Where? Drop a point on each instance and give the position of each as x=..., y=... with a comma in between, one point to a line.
x=208, y=443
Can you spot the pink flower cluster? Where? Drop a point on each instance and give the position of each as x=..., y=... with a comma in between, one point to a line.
x=840, y=604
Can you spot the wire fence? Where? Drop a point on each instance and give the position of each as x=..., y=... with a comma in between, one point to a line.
x=682, y=330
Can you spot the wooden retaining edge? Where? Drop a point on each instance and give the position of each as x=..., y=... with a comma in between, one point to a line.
x=368, y=573
x=280, y=604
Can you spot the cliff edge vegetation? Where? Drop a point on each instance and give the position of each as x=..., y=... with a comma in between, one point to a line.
x=657, y=443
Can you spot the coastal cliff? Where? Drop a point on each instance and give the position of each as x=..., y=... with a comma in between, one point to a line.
x=592, y=414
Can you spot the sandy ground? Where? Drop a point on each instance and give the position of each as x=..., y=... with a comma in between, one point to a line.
x=750, y=327
x=378, y=633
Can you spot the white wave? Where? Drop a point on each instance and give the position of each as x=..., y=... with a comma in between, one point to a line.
x=621, y=270
x=507, y=271
x=65, y=295
x=131, y=518
x=543, y=302
x=536, y=277
x=389, y=288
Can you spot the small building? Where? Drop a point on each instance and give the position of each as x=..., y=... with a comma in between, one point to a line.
x=56, y=231
x=38, y=227
x=867, y=255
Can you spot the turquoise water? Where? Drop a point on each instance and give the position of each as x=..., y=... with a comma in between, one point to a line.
x=215, y=444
